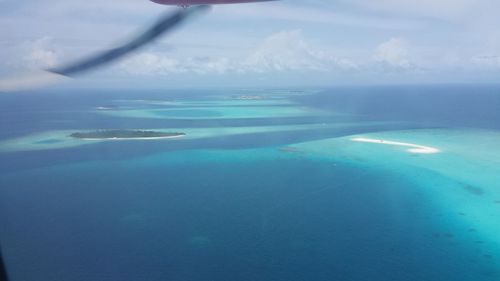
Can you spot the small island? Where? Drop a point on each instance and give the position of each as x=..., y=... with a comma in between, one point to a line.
x=124, y=135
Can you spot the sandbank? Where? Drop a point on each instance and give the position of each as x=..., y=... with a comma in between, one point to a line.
x=414, y=148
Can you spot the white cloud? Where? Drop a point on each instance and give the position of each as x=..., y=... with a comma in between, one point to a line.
x=289, y=51
x=41, y=54
x=150, y=63
x=393, y=53
x=336, y=38
x=156, y=63
x=285, y=51
x=204, y=65
x=492, y=61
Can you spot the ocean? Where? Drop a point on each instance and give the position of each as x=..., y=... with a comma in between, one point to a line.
x=267, y=184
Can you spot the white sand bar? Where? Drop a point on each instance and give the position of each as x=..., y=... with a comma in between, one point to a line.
x=414, y=148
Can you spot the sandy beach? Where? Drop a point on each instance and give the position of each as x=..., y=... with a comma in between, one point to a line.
x=414, y=148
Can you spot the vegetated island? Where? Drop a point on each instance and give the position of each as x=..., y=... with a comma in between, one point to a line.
x=124, y=135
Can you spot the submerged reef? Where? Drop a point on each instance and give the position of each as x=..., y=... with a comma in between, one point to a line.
x=474, y=190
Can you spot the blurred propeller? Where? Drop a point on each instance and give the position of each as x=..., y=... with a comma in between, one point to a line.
x=3, y=271
x=51, y=76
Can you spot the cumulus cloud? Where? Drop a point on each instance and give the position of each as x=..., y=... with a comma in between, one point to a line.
x=285, y=51
x=393, y=52
x=487, y=61
x=290, y=51
x=344, y=38
x=156, y=63
x=41, y=54
x=150, y=63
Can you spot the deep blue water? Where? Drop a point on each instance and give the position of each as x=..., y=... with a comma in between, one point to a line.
x=147, y=211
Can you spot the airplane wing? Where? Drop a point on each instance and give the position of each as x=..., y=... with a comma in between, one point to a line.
x=186, y=3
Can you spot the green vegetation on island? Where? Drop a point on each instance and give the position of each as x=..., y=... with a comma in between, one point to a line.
x=124, y=134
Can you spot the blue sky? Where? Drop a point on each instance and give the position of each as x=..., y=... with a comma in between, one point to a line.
x=283, y=43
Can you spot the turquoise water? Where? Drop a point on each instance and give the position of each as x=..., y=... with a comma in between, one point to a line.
x=221, y=112
x=283, y=198
x=461, y=180
x=187, y=113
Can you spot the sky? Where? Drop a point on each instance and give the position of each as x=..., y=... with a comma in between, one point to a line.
x=281, y=43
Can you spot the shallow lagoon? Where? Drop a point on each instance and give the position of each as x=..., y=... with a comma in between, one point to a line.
x=215, y=112
x=62, y=138
x=462, y=179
